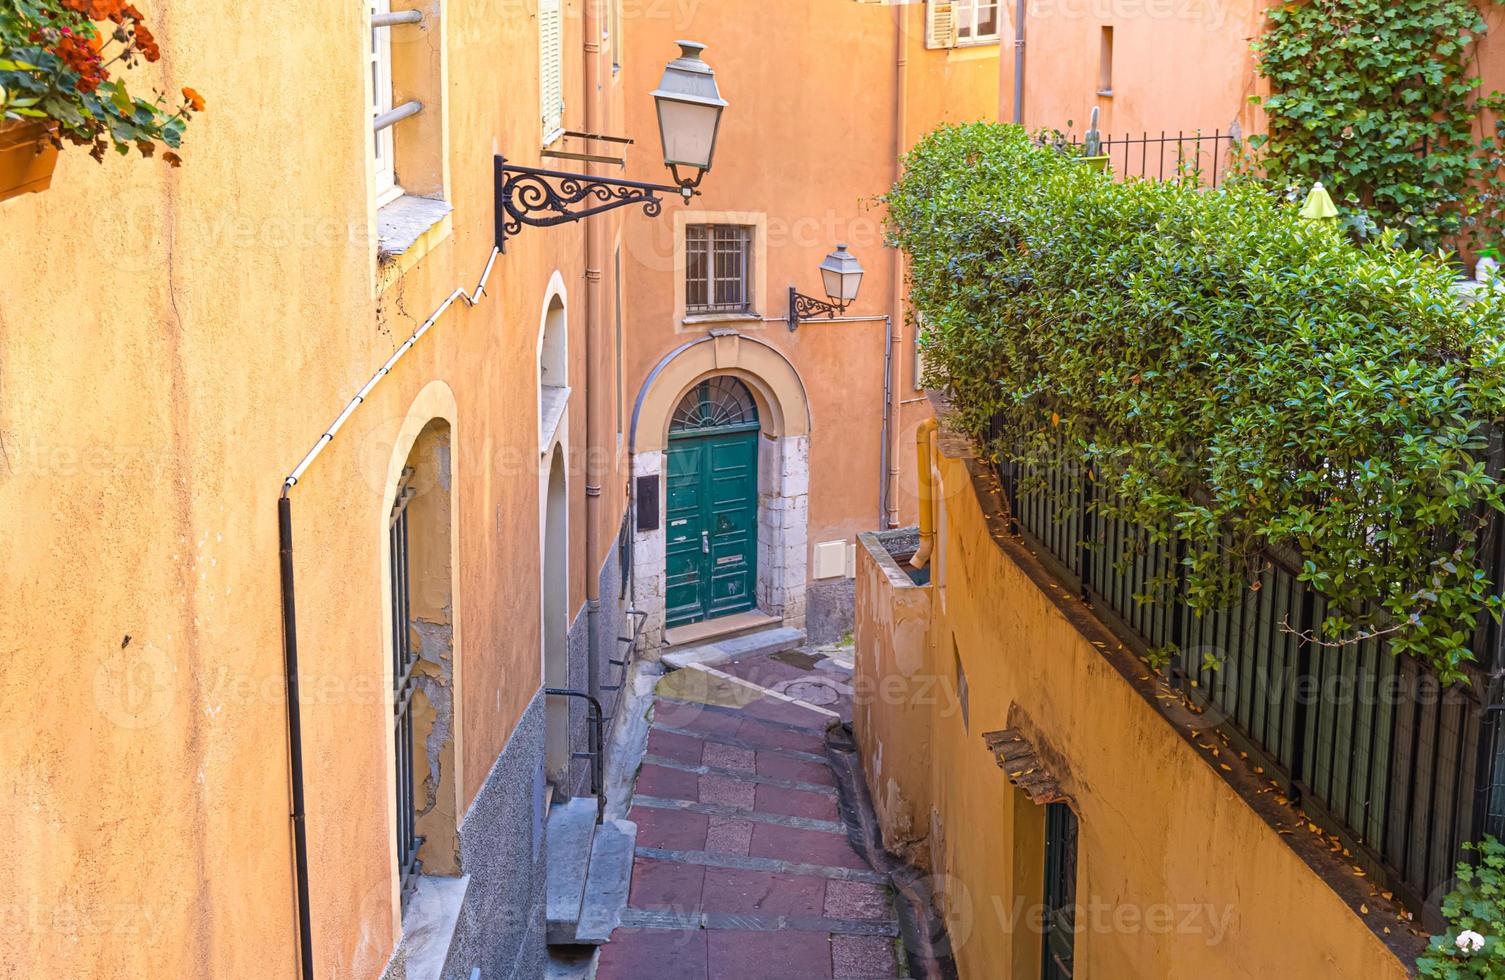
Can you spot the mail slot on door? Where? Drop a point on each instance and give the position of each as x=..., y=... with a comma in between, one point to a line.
x=728, y=560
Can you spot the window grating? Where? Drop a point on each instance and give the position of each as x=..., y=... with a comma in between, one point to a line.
x=404, y=682
x=718, y=269
x=1060, y=892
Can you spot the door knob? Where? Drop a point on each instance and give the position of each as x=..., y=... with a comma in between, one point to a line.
x=705, y=542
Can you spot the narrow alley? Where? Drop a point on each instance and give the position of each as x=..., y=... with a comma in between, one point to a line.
x=744, y=869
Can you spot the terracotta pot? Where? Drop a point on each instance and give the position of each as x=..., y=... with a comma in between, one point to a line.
x=27, y=158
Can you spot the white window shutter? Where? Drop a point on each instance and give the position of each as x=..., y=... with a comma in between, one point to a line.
x=551, y=66
x=940, y=23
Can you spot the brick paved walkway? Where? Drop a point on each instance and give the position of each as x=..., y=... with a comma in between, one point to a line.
x=743, y=869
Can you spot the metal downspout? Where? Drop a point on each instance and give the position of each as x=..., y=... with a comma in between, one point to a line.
x=895, y=325
x=923, y=438
x=595, y=312
x=888, y=418
x=1019, y=9
x=294, y=730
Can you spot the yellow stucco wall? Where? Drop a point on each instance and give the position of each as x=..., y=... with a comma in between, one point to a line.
x=171, y=343
x=1178, y=877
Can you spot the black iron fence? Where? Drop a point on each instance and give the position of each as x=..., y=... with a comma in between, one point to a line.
x=1207, y=158
x=1402, y=769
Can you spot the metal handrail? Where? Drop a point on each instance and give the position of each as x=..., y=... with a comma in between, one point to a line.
x=596, y=753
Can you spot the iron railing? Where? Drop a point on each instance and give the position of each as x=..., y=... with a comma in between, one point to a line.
x=1206, y=158
x=1400, y=768
x=404, y=685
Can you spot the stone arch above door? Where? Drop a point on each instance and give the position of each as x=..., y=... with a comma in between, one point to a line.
x=783, y=406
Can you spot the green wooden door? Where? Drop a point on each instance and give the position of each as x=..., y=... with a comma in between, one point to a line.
x=711, y=508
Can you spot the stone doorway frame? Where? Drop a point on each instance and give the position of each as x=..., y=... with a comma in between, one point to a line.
x=783, y=469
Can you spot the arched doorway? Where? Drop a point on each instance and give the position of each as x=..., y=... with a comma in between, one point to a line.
x=711, y=503
x=773, y=397
x=556, y=587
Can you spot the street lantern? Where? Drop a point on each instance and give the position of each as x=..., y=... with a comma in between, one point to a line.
x=841, y=274
x=689, y=114
x=689, y=108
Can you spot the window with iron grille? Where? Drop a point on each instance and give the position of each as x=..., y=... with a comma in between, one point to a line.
x=404, y=683
x=718, y=269
x=1060, y=892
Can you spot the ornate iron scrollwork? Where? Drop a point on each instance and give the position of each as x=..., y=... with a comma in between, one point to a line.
x=802, y=307
x=543, y=198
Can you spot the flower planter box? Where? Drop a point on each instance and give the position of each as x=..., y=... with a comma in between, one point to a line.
x=27, y=157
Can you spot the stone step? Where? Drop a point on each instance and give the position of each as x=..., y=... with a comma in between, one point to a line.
x=571, y=963
x=609, y=881
x=720, y=628
x=743, y=647
x=571, y=832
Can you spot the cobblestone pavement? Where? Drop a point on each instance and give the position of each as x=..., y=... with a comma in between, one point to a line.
x=743, y=868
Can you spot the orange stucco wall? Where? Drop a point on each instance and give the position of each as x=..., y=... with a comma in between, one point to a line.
x=806, y=147
x=171, y=343
x=1178, y=876
x=1177, y=65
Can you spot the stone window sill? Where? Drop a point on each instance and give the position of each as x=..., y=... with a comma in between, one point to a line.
x=984, y=50
x=711, y=319
x=428, y=925
x=407, y=228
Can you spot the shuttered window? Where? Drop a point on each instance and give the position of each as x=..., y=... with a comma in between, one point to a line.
x=940, y=23
x=551, y=67
x=949, y=23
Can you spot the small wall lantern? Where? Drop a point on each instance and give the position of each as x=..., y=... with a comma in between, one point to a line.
x=841, y=274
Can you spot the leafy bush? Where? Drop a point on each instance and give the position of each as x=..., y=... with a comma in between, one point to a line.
x=56, y=58
x=1233, y=374
x=1377, y=99
x=1472, y=946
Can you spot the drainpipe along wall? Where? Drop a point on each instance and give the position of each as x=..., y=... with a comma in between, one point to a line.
x=595, y=315
x=1019, y=8
x=895, y=340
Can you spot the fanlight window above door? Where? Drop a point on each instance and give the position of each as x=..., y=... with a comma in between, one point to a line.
x=715, y=404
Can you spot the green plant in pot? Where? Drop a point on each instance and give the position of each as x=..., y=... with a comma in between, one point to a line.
x=1092, y=146
x=64, y=67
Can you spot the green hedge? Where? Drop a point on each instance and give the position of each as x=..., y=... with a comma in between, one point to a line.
x=1235, y=373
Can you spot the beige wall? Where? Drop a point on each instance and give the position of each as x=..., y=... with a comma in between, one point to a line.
x=171, y=343
x=1177, y=875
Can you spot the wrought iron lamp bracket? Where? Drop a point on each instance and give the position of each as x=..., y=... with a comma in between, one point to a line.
x=544, y=198
x=802, y=307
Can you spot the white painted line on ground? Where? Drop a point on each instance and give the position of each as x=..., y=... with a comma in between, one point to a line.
x=741, y=682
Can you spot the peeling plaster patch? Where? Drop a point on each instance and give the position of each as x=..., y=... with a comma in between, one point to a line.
x=436, y=647
x=442, y=460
